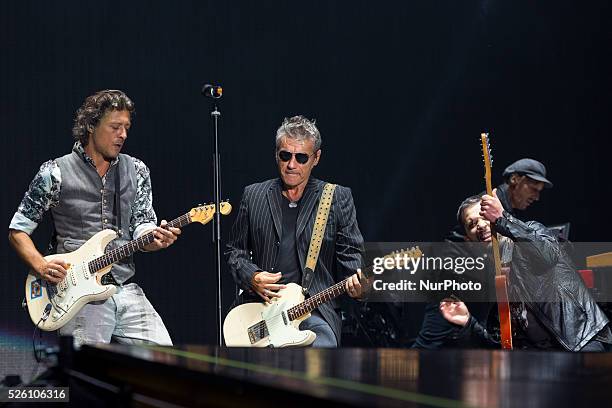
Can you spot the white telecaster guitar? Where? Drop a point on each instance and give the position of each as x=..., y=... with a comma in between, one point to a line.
x=52, y=306
x=277, y=324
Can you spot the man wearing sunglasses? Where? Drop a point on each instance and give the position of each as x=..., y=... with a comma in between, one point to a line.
x=272, y=232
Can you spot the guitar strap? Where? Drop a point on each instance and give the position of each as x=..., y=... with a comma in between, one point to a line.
x=52, y=246
x=108, y=278
x=118, y=199
x=318, y=232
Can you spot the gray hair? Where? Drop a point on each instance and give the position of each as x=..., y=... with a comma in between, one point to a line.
x=299, y=128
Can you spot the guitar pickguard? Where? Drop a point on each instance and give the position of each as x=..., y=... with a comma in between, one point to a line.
x=267, y=324
x=281, y=332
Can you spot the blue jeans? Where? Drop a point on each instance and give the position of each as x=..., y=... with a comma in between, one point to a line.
x=127, y=317
x=325, y=334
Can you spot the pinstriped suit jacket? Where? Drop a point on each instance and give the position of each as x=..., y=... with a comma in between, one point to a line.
x=257, y=231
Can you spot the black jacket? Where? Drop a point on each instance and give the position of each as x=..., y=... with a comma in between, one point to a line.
x=543, y=276
x=257, y=230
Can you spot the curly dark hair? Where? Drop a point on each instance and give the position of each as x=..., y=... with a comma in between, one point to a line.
x=93, y=109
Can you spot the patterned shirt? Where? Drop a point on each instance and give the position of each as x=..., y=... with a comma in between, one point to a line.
x=45, y=189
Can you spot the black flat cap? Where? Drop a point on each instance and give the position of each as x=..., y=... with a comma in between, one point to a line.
x=531, y=168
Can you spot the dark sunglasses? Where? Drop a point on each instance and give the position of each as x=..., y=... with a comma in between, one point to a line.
x=301, y=158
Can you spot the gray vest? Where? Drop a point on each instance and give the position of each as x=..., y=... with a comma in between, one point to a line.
x=86, y=206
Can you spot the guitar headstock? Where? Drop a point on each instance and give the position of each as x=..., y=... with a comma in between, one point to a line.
x=414, y=252
x=488, y=160
x=204, y=213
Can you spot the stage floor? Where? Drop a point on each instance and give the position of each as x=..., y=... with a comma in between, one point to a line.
x=204, y=375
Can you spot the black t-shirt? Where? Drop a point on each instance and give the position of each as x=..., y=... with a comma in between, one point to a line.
x=288, y=262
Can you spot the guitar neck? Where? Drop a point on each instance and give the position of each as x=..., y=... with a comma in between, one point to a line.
x=129, y=248
x=503, y=308
x=494, y=241
x=339, y=288
x=489, y=189
x=317, y=300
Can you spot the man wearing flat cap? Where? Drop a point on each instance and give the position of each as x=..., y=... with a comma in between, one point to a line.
x=524, y=180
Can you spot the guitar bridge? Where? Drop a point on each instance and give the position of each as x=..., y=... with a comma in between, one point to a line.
x=258, y=331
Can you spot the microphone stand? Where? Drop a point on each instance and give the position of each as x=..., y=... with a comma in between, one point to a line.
x=215, y=114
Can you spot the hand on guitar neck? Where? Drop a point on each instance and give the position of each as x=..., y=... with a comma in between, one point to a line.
x=491, y=208
x=264, y=284
x=353, y=286
x=164, y=237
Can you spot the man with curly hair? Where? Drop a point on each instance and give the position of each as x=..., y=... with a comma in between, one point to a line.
x=91, y=189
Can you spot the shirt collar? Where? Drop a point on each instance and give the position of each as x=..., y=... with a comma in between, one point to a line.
x=80, y=150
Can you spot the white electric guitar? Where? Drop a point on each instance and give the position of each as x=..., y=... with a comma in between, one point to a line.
x=277, y=324
x=52, y=306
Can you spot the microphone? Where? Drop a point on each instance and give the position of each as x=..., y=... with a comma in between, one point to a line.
x=212, y=91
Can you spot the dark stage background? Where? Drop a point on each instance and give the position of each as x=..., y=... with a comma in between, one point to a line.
x=400, y=91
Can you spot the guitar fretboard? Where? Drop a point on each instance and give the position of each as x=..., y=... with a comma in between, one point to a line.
x=332, y=292
x=317, y=300
x=129, y=248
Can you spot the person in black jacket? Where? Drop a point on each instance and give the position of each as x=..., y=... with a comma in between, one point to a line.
x=550, y=306
x=273, y=229
x=524, y=180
